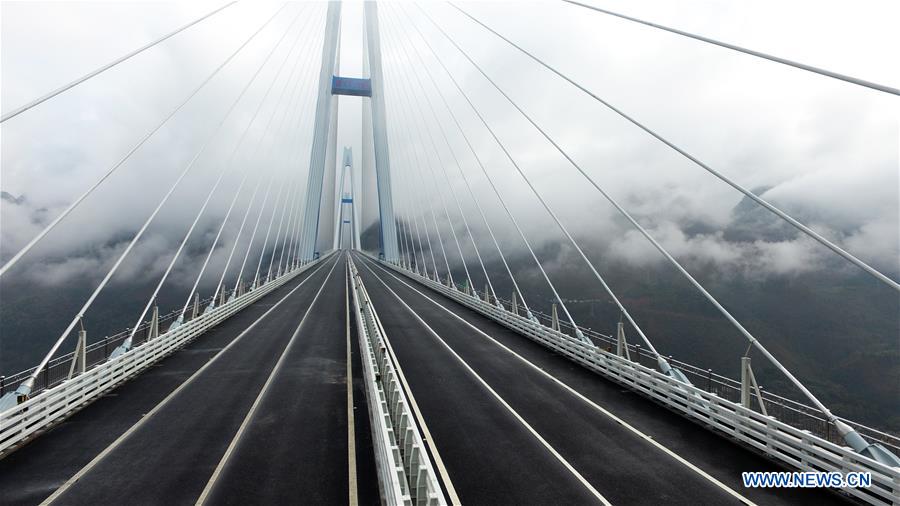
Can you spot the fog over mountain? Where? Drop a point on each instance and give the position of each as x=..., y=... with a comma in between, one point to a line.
x=824, y=151
x=832, y=325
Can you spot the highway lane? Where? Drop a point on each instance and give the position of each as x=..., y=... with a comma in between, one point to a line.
x=714, y=455
x=31, y=474
x=491, y=457
x=169, y=457
x=683, y=464
x=294, y=447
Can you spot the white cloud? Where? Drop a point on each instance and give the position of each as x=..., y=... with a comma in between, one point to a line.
x=828, y=150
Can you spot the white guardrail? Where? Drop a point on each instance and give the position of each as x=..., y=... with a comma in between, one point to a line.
x=798, y=449
x=405, y=471
x=50, y=406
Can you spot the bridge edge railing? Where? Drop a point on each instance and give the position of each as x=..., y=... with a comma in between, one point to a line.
x=798, y=414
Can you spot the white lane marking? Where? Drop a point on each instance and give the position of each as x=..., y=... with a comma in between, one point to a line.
x=351, y=423
x=579, y=395
x=503, y=402
x=90, y=465
x=428, y=439
x=256, y=402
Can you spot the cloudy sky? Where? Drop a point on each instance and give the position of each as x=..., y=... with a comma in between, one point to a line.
x=827, y=151
x=824, y=150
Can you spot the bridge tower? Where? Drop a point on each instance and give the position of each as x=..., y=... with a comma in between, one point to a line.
x=320, y=208
x=347, y=194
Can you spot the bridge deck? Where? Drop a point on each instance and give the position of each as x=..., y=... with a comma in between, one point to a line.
x=120, y=454
x=256, y=411
x=503, y=438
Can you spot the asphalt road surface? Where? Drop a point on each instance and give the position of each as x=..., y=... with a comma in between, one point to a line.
x=269, y=408
x=161, y=437
x=517, y=424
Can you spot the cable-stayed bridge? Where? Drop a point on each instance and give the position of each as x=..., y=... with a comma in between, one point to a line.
x=345, y=337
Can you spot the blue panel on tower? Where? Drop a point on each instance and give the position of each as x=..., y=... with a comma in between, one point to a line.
x=351, y=86
x=345, y=200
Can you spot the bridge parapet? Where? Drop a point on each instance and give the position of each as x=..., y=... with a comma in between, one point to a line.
x=97, y=352
x=798, y=414
x=405, y=471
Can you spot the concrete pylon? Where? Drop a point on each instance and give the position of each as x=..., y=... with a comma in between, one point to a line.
x=318, y=157
x=554, y=322
x=345, y=198
x=319, y=206
x=389, y=243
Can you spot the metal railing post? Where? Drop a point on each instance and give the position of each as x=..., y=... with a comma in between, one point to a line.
x=80, y=356
x=745, y=382
x=621, y=346
x=153, y=331
x=196, y=310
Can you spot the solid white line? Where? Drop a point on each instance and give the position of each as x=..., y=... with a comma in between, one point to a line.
x=427, y=438
x=579, y=395
x=500, y=399
x=90, y=465
x=351, y=423
x=265, y=388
